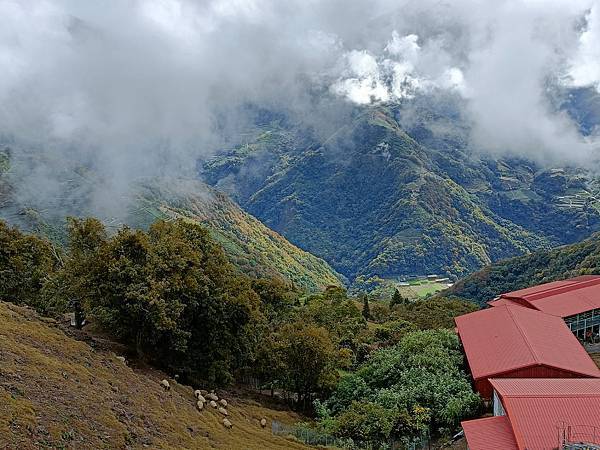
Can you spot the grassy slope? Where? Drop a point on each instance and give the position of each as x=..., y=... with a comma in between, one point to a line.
x=57, y=392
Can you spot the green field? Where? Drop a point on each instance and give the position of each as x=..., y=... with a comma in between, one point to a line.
x=421, y=288
x=383, y=288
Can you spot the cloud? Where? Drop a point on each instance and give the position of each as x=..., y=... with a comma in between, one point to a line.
x=147, y=87
x=403, y=72
x=584, y=68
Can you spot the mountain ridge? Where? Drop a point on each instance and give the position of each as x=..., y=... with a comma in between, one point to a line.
x=373, y=200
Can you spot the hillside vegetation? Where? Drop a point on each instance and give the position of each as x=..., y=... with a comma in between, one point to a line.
x=252, y=247
x=511, y=274
x=170, y=297
x=57, y=392
x=377, y=199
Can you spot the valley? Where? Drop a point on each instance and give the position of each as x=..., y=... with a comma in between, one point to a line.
x=374, y=199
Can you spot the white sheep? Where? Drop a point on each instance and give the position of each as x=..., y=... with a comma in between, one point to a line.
x=223, y=402
x=213, y=403
x=223, y=411
x=122, y=359
x=212, y=396
x=201, y=398
x=263, y=422
x=227, y=423
x=165, y=384
x=197, y=393
x=200, y=405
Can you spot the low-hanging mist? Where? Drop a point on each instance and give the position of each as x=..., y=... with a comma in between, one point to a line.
x=147, y=88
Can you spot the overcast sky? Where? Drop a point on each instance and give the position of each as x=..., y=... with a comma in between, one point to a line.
x=139, y=86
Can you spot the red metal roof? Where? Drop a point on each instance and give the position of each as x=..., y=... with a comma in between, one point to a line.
x=502, y=301
x=540, y=409
x=505, y=338
x=489, y=433
x=559, y=298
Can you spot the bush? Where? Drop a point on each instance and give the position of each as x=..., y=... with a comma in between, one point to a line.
x=420, y=378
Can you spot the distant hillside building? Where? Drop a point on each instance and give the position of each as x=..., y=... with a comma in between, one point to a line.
x=539, y=414
x=576, y=301
x=510, y=341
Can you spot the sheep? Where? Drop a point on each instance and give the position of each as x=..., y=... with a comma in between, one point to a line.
x=203, y=392
x=212, y=396
x=197, y=393
x=223, y=402
x=227, y=423
x=200, y=405
x=223, y=411
x=201, y=398
x=213, y=403
x=121, y=358
x=165, y=384
x=263, y=422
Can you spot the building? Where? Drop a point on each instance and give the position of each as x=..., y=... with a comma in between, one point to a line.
x=539, y=414
x=510, y=341
x=575, y=300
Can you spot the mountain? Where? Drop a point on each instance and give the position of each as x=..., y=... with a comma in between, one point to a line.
x=377, y=199
x=254, y=248
x=582, y=258
x=59, y=392
x=251, y=246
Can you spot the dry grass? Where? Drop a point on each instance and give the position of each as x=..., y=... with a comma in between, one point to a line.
x=58, y=392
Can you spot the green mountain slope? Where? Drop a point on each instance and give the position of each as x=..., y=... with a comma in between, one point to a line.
x=254, y=248
x=582, y=258
x=251, y=246
x=374, y=200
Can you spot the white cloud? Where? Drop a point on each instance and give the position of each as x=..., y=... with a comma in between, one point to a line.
x=403, y=72
x=584, y=69
x=147, y=86
x=364, y=84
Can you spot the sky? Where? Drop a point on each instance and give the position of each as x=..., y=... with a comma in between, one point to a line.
x=146, y=88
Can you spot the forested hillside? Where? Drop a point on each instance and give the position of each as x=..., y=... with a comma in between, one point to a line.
x=253, y=248
x=377, y=199
x=582, y=258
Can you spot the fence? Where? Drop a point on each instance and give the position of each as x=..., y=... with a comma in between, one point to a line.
x=312, y=437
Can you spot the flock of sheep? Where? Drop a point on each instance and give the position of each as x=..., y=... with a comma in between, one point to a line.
x=203, y=397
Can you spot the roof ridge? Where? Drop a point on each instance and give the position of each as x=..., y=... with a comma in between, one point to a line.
x=570, y=287
x=523, y=334
x=552, y=395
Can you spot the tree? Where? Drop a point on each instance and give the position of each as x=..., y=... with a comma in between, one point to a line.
x=310, y=360
x=366, y=311
x=420, y=378
x=397, y=299
x=366, y=423
x=338, y=315
x=438, y=312
x=76, y=280
x=276, y=297
x=170, y=293
x=26, y=262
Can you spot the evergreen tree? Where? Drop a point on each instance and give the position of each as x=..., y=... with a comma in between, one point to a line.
x=366, y=311
x=397, y=299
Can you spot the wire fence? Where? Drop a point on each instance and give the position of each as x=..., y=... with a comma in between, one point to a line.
x=313, y=437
